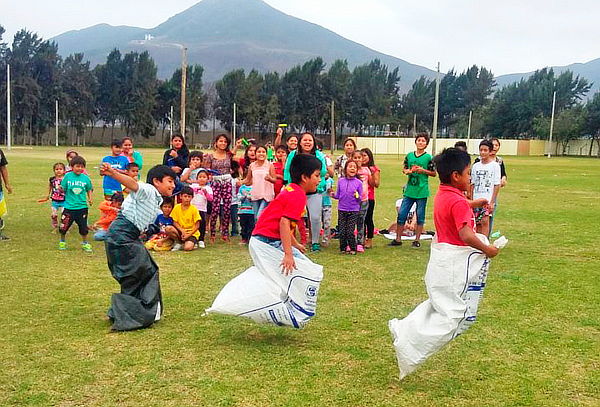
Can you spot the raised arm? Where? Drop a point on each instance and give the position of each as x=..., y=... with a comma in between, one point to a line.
x=123, y=179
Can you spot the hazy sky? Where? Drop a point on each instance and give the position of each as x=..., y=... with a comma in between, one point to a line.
x=505, y=36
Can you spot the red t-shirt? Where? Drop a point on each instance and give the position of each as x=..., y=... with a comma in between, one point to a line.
x=278, y=171
x=289, y=204
x=451, y=212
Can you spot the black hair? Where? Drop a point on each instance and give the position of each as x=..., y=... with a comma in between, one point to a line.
x=167, y=200
x=127, y=138
x=292, y=135
x=235, y=168
x=348, y=163
x=350, y=140
x=461, y=145
x=487, y=143
x=226, y=138
x=451, y=160
x=132, y=165
x=423, y=135
x=246, y=158
x=117, y=197
x=195, y=153
x=186, y=190
x=59, y=164
x=303, y=164
x=368, y=152
x=314, y=148
x=261, y=146
x=496, y=139
x=184, y=148
x=159, y=172
x=78, y=160
x=116, y=143
x=281, y=147
x=319, y=145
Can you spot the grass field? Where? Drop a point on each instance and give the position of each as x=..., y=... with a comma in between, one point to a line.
x=536, y=342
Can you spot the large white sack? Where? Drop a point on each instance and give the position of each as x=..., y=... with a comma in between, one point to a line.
x=455, y=280
x=264, y=294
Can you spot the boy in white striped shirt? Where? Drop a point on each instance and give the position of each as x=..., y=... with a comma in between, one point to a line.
x=139, y=304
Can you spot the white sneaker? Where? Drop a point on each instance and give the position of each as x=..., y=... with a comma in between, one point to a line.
x=201, y=244
x=176, y=247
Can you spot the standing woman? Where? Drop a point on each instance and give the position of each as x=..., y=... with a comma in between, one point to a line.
x=132, y=155
x=291, y=141
x=220, y=161
x=314, y=202
x=374, y=180
x=177, y=156
x=340, y=163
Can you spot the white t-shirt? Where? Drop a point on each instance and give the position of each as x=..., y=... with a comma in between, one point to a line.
x=142, y=206
x=484, y=177
x=199, y=200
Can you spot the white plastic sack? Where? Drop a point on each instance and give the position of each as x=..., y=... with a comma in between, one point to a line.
x=265, y=295
x=455, y=281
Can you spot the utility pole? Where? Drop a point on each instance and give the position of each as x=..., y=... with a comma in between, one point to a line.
x=332, y=126
x=183, y=90
x=552, y=123
x=56, y=123
x=415, y=125
x=435, y=111
x=171, y=122
x=469, y=130
x=8, y=135
x=234, y=124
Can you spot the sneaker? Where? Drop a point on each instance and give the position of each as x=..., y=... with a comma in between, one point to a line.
x=395, y=243
x=86, y=247
x=416, y=244
x=3, y=237
x=383, y=231
x=315, y=247
x=360, y=248
x=62, y=245
x=176, y=247
x=201, y=245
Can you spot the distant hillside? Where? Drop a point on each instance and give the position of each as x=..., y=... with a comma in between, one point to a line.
x=589, y=70
x=223, y=35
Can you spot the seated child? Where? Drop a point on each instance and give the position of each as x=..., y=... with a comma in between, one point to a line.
x=186, y=218
x=167, y=234
x=109, y=208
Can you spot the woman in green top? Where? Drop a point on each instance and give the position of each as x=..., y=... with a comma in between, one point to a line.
x=314, y=202
x=132, y=156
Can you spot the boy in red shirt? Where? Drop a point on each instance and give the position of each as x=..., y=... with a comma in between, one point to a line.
x=457, y=268
x=277, y=222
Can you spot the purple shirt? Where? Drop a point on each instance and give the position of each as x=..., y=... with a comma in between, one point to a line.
x=348, y=193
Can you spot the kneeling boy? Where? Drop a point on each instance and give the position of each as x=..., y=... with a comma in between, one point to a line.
x=186, y=218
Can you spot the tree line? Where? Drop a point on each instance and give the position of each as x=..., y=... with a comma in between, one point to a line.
x=125, y=91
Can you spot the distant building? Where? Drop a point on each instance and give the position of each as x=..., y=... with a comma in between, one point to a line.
x=148, y=37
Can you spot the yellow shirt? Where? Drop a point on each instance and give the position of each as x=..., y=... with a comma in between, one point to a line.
x=186, y=218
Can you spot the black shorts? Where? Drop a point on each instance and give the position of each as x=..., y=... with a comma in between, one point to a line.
x=78, y=216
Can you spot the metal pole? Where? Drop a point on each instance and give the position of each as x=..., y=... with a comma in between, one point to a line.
x=435, y=108
x=234, y=125
x=171, y=122
x=415, y=125
x=332, y=126
x=469, y=130
x=552, y=124
x=8, y=123
x=183, y=90
x=56, y=123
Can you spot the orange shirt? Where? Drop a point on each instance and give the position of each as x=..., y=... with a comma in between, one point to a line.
x=109, y=213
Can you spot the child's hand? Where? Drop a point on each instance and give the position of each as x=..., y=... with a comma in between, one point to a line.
x=288, y=265
x=106, y=169
x=173, y=153
x=42, y=200
x=300, y=247
x=479, y=203
x=491, y=251
x=89, y=202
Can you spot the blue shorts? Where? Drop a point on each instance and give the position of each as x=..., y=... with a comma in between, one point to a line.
x=407, y=203
x=110, y=192
x=58, y=204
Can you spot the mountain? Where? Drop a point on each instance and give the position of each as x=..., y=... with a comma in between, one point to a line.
x=589, y=70
x=222, y=35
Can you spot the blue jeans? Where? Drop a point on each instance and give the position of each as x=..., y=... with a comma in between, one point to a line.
x=407, y=203
x=276, y=243
x=258, y=207
x=100, y=235
x=234, y=220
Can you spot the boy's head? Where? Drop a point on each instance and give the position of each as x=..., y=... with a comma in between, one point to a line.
x=305, y=170
x=163, y=179
x=59, y=169
x=167, y=206
x=186, y=194
x=421, y=141
x=453, y=167
x=281, y=152
x=461, y=145
x=116, y=199
x=485, y=148
x=196, y=158
x=78, y=164
x=133, y=170
x=116, y=147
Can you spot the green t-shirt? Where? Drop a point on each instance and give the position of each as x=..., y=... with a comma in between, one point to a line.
x=76, y=187
x=417, y=186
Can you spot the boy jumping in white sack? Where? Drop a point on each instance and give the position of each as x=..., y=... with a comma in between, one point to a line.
x=456, y=271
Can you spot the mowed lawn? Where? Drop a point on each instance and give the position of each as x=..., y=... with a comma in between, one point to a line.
x=536, y=342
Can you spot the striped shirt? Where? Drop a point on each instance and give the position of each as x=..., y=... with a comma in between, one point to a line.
x=142, y=206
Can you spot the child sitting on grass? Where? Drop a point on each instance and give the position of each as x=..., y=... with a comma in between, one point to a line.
x=139, y=304
x=109, y=209
x=186, y=218
x=78, y=196
x=166, y=234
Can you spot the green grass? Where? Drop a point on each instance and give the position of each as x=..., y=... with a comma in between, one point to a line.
x=536, y=342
